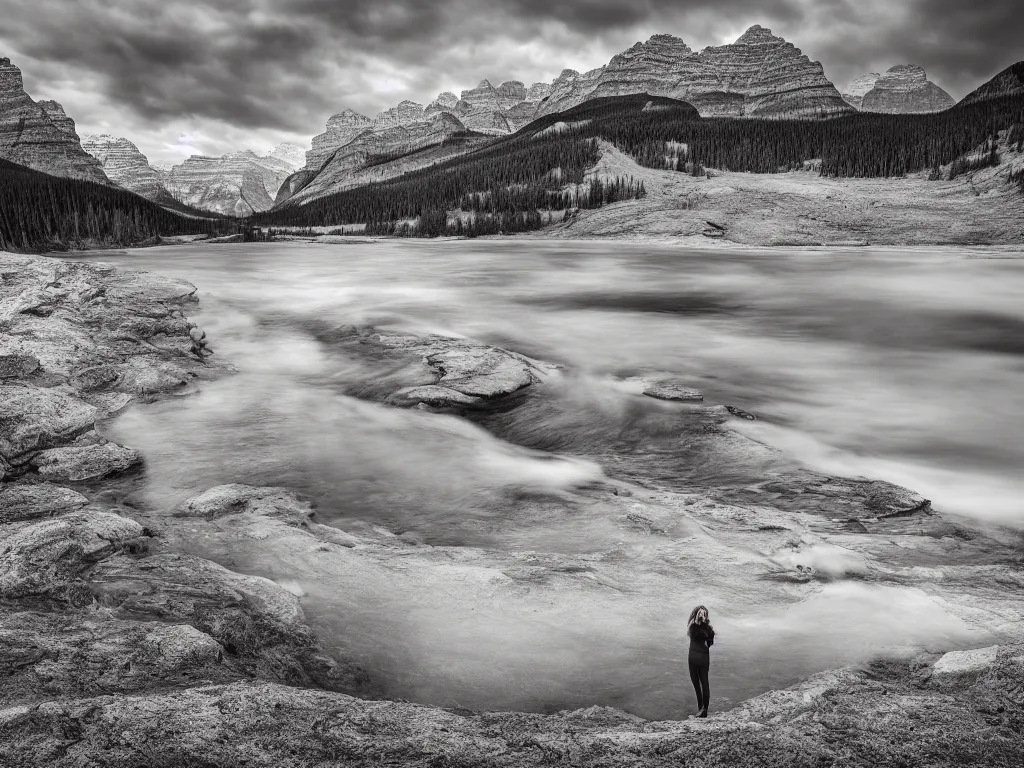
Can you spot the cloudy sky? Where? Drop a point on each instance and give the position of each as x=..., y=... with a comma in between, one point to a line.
x=182, y=76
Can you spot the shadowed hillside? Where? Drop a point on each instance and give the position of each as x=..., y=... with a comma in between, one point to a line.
x=41, y=212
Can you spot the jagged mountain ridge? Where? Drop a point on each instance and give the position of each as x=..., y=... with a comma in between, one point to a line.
x=760, y=75
x=39, y=135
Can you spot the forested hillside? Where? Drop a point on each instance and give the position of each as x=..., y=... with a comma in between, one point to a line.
x=40, y=212
x=540, y=166
x=530, y=170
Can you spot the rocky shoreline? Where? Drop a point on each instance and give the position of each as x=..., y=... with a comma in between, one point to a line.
x=120, y=646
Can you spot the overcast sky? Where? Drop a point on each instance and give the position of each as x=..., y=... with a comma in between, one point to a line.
x=187, y=77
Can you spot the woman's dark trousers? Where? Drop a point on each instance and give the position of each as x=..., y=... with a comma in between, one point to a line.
x=700, y=664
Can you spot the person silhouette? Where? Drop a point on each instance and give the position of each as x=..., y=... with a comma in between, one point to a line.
x=702, y=637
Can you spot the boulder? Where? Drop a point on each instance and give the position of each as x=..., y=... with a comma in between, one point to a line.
x=236, y=498
x=33, y=419
x=86, y=462
x=964, y=662
x=45, y=559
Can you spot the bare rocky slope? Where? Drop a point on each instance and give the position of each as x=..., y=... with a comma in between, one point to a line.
x=39, y=134
x=236, y=184
x=126, y=166
x=369, y=155
x=903, y=89
x=120, y=650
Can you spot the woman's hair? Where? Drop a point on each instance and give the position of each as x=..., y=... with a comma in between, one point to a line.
x=693, y=616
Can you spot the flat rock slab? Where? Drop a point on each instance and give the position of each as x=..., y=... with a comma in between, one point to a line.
x=437, y=396
x=30, y=502
x=671, y=390
x=962, y=662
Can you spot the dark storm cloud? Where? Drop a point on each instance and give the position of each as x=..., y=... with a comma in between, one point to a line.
x=284, y=65
x=961, y=44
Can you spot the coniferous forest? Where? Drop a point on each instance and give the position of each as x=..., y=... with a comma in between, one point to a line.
x=542, y=167
x=42, y=212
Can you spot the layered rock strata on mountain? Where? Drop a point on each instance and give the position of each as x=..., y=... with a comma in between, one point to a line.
x=404, y=113
x=55, y=111
x=1009, y=82
x=445, y=102
x=511, y=93
x=495, y=111
x=905, y=89
x=760, y=75
x=292, y=155
x=125, y=165
x=485, y=109
x=538, y=92
x=350, y=159
x=237, y=184
x=40, y=135
x=854, y=93
x=340, y=130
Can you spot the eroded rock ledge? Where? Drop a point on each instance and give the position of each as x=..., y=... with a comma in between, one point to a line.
x=118, y=649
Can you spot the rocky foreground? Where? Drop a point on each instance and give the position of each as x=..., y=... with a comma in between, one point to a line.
x=119, y=649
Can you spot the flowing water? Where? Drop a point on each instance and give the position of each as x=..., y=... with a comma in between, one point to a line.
x=903, y=366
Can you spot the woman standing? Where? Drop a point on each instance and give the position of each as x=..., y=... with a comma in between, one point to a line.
x=702, y=637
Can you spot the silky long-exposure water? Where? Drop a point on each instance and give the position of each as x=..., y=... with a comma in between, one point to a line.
x=897, y=366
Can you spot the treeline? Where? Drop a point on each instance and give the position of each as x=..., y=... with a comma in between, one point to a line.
x=861, y=145
x=40, y=212
x=591, y=194
x=488, y=216
x=1015, y=137
x=436, y=223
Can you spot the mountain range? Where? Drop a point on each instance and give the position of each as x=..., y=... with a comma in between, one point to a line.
x=760, y=75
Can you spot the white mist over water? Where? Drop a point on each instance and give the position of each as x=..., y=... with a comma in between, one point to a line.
x=905, y=367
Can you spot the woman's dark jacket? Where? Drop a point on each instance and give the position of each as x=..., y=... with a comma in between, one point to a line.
x=702, y=637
